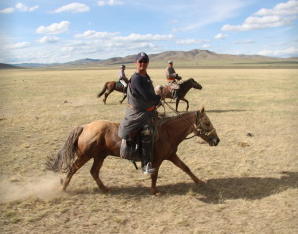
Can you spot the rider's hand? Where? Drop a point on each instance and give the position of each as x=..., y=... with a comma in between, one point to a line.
x=158, y=103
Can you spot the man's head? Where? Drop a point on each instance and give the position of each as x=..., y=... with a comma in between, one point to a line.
x=170, y=62
x=142, y=61
x=123, y=67
x=142, y=57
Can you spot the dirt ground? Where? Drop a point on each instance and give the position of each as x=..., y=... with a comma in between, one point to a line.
x=251, y=176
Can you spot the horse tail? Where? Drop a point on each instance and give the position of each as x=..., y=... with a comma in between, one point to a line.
x=103, y=90
x=67, y=154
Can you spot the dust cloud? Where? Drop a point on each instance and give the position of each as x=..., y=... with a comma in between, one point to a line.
x=44, y=188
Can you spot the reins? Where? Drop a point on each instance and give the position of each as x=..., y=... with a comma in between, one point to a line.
x=178, y=114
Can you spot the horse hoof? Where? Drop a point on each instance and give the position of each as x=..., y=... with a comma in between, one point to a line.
x=156, y=192
x=105, y=190
x=201, y=183
x=62, y=189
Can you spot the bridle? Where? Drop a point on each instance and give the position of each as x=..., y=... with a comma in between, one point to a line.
x=198, y=129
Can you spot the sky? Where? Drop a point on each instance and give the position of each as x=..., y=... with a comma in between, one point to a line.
x=58, y=31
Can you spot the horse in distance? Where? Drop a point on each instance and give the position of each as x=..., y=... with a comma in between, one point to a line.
x=109, y=87
x=185, y=86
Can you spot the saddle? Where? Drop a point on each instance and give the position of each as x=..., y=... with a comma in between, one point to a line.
x=119, y=85
x=131, y=150
x=169, y=88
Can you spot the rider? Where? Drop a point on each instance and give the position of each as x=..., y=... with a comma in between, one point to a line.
x=122, y=77
x=142, y=102
x=172, y=76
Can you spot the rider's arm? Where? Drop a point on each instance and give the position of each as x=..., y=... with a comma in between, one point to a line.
x=170, y=73
x=142, y=87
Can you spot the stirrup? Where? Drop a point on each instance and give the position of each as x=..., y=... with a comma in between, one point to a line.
x=148, y=169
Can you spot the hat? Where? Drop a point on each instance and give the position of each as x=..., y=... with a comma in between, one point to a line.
x=142, y=55
x=170, y=61
x=122, y=66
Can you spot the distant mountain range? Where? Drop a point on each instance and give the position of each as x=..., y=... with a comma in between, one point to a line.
x=192, y=58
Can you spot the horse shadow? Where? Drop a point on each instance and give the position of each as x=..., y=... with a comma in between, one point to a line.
x=216, y=191
x=224, y=111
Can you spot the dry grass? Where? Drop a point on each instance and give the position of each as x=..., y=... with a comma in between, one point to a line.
x=252, y=175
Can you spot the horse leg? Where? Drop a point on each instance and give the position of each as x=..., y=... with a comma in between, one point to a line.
x=154, y=176
x=153, y=188
x=179, y=163
x=177, y=103
x=98, y=161
x=187, y=104
x=105, y=99
x=74, y=168
x=123, y=99
x=106, y=96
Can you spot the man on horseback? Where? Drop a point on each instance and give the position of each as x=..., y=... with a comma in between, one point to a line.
x=142, y=102
x=172, y=76
x=122, y=77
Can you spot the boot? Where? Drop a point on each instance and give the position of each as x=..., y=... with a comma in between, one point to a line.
x=147, y=149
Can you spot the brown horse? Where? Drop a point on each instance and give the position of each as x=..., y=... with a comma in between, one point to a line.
x=109, y=87
x=185, y=86
x=99, y=139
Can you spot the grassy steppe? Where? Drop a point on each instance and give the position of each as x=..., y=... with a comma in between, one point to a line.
x=252, y=175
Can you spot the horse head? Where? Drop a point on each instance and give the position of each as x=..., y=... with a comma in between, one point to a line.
x=205, y=129
x=195, y=84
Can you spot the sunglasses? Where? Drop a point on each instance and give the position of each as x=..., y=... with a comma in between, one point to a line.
x=143, y=61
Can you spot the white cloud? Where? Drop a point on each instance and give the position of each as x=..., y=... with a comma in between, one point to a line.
x=254, y=23
x=91, y=43
x=288, y=8
x=206, y=46
x=19, y=45
x=49, y=39
x=221, y=36
x=23, y=7
x=292, y=51
x=73, y=7
x=7, y=10
x=109, y=2
x=55, y=28
x=133, y=37
x=19, y=7
x=244, y=42
x=90, y=34
x=174, y=21
x=200, y=14
x=190, y=42
x=280, y=15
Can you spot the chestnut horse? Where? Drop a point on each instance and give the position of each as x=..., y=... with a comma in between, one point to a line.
x=109, y=87
x=100, y=139
x=185, y=86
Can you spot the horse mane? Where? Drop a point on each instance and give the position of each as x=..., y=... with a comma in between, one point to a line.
x=185, y=81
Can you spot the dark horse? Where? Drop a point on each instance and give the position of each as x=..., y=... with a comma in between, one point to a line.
x=100, y=139
x=109, y=87
x=185, y=86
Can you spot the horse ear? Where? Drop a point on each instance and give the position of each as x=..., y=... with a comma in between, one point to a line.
x=202, y=110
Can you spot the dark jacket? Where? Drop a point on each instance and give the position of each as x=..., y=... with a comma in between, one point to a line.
x=140, y=97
